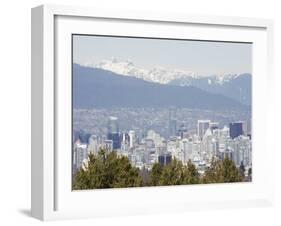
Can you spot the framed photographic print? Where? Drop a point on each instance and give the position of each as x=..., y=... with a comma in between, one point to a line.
x=136, y=113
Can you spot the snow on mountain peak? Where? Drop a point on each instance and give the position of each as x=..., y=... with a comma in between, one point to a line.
x=158, y=74
x=223, y=78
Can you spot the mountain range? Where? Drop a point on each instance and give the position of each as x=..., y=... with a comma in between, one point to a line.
x=235, y=86
x=97, y=87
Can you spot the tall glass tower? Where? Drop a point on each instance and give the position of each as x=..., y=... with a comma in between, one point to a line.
x=113, y=132
x=112, y=125
x=235, y=129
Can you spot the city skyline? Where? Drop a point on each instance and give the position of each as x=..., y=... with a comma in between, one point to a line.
x=144, y=147
x=209, y=141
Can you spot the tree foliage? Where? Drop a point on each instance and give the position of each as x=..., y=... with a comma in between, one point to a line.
x=155, y=174
x=107, y=170
x=174, y=173
x=191, y=174
x=223, y=171
x=249, y=178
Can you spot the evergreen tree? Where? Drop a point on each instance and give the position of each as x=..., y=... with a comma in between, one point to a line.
x=155, y=174
x=230, y=172
x=172, y=174
x=214, y=173
x=223, y=171
x=144, y=173
x=191, y=175
x=107, y=170
x=242, y=169
x=249, y=174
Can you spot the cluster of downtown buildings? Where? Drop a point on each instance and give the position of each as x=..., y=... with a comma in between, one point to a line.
x=211, y=140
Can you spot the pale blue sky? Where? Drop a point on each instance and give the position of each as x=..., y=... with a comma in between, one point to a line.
x=201, y=57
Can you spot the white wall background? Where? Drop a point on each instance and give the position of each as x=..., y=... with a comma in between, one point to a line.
x=15, y=111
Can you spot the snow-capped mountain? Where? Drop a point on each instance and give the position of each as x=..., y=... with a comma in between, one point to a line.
x=157, y=74
x=127, y=68
x=235, y=86
x=101, y=88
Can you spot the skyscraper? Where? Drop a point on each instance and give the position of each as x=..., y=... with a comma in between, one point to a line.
x=125, y=138
x=112, y=125
x=113, y=132
x=235, y=129
x=202, y=126
x=80, y=154
x=132, y=138
x=116, y=140
x=93, y=146
x=125, y=141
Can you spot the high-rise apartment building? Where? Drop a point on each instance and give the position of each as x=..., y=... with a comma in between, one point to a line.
x=202, y=126
x=235, y=129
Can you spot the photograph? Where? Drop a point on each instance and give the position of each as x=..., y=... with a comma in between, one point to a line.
x=150, y=111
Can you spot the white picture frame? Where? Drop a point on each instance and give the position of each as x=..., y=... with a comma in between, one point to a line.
x=52, y=198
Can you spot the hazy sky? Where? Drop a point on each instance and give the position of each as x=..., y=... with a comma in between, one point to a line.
x=201, y=57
